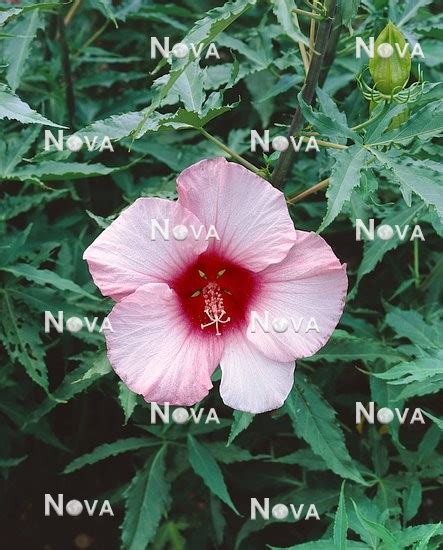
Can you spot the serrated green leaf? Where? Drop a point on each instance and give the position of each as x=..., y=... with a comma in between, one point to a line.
x=241, y=422
x=107, y=450
x=378, y=530
x=283, y=11
x=128, y=400
x=51, y=170
x=13, y=108
x=314, y=421
x=205, y=466
x=412, y=499
x=45, y=277
x=12, y=206
x=19, y=333
x=147, y=500
x=17, y=49
x=375, y=250
x=424, y=124
x=341, y=522
x=345, y=176
x=414, y=180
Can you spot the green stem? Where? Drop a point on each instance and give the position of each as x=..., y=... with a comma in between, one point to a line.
x=308, y=14
x=326, y=143
x=93, y=38
x=230, y=151
x=296, y=198
x=416, y=264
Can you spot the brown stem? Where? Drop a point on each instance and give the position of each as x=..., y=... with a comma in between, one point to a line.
x=320, y=185
x=66, y=63
x=287, y=157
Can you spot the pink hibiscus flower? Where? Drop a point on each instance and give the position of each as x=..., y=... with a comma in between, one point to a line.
x=184, y=305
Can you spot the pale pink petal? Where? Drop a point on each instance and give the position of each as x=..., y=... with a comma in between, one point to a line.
x=126, y=256
x=250, y=381
x=156, y=352
x=249, y=215
x=308, y=289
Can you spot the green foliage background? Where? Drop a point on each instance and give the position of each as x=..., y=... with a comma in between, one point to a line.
x=69, y=426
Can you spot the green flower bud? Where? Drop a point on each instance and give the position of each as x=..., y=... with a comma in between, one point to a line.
x=389, y=71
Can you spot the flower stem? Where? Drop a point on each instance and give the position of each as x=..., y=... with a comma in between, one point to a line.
x=230, y=151
x=300, y=196
x=287, y=157
x=312, y=32
x=310, y=14
x=416, y=264
x=326, y=143
x=301, y=47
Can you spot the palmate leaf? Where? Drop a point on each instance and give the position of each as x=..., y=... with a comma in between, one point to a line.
x=189, y=87
x=109, y=449
x=314, y=421
x=413, y=179
x=410, y=324
x=147, y=500
x=202, y=34
x=345, y=176
x=13, y=108
x=205, y=466
x=329, y=122
x=19, y=334
x=424, y=124
x=377, y=530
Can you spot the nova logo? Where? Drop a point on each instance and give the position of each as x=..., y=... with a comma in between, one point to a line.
x=386, y=415
x=75, y=143
x=385, y=50
x=180, y=50
x=281, y=511
x=281, y=143
x=385, y=231
x=75, y=507
x=74, y=324
x=182, y=415
x=181, y=232
x=281, y=324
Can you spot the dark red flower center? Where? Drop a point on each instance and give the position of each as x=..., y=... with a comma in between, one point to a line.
x=215, y=293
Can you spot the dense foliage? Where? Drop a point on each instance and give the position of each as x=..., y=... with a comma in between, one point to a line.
x=68, y=424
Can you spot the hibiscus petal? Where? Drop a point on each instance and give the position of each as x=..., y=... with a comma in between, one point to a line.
x=249, y=215
x=125, y=256
x=308, y=289
x=156, y=352
x=250, y=381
